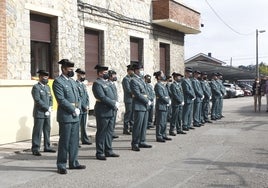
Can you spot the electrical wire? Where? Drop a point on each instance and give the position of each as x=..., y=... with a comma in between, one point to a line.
x=246, y=58
x=225, y=23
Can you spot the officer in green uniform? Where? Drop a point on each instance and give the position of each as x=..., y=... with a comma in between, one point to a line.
x=41, y=112
x=128, y=116
x=104, y=110
x=168, y=84
x=223, y=92
x=207, y=96
x=161, y=106
x=81, y=75
x=112, y=79
x=67, y=95
x=177, y=102
x=189, y=97
x=140, y=108
x=151, y=97
x=198, y=100
x=216, y=96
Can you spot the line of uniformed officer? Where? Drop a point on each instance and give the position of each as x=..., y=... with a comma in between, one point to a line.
x=188, y=99
x=192, y=98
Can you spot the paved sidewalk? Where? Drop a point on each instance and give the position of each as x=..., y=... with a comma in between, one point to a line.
x=25, y=146
x=232, y=152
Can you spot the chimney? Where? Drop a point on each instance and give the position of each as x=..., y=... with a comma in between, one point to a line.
x=209, y=54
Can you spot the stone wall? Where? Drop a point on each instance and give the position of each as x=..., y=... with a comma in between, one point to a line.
x=102, y=15
x=18, y=32
x=70, y=34
x=124, y=19
x=18, y=43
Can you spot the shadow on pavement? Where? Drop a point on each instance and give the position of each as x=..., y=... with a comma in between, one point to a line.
x=29, y=168
x=249, y=111
x=261, y=151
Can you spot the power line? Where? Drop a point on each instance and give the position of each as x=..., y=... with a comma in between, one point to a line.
x=245, y=58
x=227, y=25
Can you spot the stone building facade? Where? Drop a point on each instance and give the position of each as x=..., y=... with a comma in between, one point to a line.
x=36, y=34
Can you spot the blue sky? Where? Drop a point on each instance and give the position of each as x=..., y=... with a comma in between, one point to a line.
x=239, y=42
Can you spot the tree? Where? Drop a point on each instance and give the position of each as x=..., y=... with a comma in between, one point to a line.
x=248, y=68
x=263, y=69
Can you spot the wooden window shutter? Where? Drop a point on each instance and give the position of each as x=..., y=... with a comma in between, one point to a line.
x=40, y=28
x=163, y=58
x=92, y=52
x=134, y=49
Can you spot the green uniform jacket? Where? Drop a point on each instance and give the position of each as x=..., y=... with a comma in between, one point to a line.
x=139, y=91
x=197, y=90
x=114, y=90
x=162, y=96
x=168, y=87
x=84, y=96
x=42, y=100
x=216, y=93
x=188, y=90
x=105, y=103
x=151, y=94
x=222, y=87
x=127, y=89
x=67, y=96
x=176, y=94
x=206, y=89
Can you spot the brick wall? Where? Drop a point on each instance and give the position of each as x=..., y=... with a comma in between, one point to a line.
x=171, y=9
x=160, y=9
x=3, y=41
x=184, y=14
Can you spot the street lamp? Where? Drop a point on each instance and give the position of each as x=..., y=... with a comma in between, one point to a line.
x=257, y=53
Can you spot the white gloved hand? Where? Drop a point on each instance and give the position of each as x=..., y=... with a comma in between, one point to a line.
x=47, y=113
x=169, y=102
x=203, y=97
x=77, y=111
x=50, y=109
x=210, y=98
x=193, y=99
x=117, y=104
x=182, y=103
x=149, y=103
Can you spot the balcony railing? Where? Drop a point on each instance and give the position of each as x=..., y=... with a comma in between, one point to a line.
x=177, y=16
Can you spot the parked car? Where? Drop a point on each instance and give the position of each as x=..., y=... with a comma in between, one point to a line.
x=246, y=88
x=233, y=90
x=239, y=92
x=230, y=91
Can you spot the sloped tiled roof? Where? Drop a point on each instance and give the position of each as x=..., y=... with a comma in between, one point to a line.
x=205, y=58
x=205, y=63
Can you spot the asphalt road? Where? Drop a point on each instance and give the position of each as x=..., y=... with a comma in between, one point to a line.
x=232, y=152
